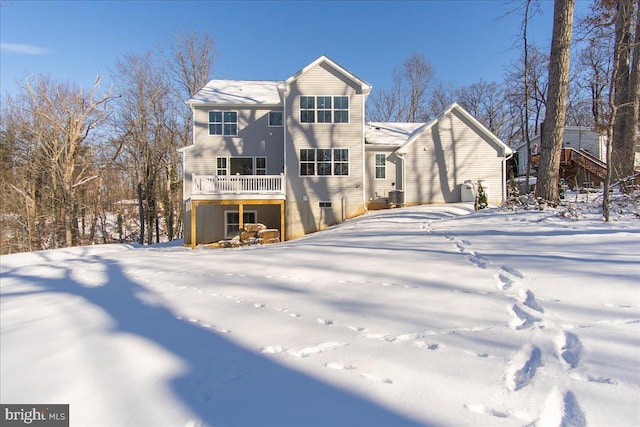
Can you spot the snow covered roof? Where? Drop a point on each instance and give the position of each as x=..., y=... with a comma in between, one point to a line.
x=238, y=92
x=390, y=133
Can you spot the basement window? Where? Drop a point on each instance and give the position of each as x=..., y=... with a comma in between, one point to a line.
x=324, y=204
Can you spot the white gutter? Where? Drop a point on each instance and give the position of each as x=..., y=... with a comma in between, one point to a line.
x=364, y=158
x=404, y=179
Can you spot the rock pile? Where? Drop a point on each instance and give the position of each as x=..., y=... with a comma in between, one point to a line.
x=252, y=234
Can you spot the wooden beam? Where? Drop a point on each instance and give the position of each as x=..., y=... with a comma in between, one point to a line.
x=194, y=206
x=282, y=233
x=241, y=217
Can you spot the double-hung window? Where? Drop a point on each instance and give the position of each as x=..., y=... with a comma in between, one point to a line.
x=221, y=166
x=261, y=165
x=341, y=109
x=341, y=161
x=308, y=109
x=324, y=162
x=381, y=166
x=223, y=123
x=307, y=162
x=324, y=109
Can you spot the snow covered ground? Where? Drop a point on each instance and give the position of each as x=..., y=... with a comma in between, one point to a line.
x=432, y=315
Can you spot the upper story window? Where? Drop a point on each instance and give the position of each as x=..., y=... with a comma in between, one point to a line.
x=275, y=118
x=381, y=166
x=324, y=161
x=223, y=123
x=308, y=109
x=324, y=109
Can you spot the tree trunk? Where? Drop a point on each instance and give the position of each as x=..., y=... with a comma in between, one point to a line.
x=551, y=141
x=627, y=89
x=141, y=210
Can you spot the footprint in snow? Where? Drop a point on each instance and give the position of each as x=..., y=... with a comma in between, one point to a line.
x=272, y=349
x=320, y=348
x=481, y=409
x=258, y=305
x=504, y=282
x=522, y=367
x=478, y=261
x=562, y=409
x=522, y=320
x=427, y=345
x=356, y=328
x=529, y=299
x=512, y=271
x=571, y=349
x=376, y=379
x=339, y=366
x=325, y=322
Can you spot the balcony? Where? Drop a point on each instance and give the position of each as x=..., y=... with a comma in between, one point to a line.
x=237, y=186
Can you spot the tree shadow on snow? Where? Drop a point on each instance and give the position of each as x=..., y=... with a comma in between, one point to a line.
x=224, y=384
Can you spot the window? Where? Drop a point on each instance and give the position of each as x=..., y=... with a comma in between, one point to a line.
x=307, y=109
x=223, y=123
x=341, y=109
x=232, y=222
x=307, y=162
x=381, y=166
x=324, y=161
x=324, y=204
x=275, y=118
x=261, y=165
x=221, y=166
x=341, y=161
x=324, y=109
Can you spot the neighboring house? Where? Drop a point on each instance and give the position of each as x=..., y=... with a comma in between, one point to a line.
x=296, y=155
x=579, y=138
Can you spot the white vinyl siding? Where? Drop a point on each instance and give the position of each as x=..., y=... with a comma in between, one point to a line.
x=257, y=140
x=439, y=161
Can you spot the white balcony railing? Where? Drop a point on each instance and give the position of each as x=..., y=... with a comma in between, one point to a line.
x=237, y=184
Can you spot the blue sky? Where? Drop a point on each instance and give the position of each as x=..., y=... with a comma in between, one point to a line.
x=465, y=41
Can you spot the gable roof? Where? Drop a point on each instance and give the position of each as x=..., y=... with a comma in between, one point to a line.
x=238, y=92
x=364, y=86
x=390, y=133
x=504, y=149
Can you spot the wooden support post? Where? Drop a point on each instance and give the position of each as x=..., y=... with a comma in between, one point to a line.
x=194, y=206
x=241, y=217
x=282, y=231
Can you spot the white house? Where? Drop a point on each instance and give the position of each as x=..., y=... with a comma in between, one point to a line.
x=297, y=155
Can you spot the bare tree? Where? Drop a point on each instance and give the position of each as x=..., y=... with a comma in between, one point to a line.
x=407, y=100
x=552, y=135
x=53, y=125
x=487, y=103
